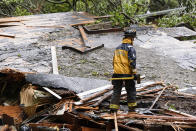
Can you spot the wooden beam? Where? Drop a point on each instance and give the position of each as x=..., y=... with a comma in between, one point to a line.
x=90, y=92
x=157, y=98
x=102, y=99
x=54, y=60
x=155, y=117
x=83, y=36
x=93, y=96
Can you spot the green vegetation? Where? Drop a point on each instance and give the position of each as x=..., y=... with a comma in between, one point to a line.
x=172, y=106
x=172, y=20
x=123, y=11
x=94, y=73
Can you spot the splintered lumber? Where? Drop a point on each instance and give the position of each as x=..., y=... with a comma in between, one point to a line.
x=153, y=90
x=185, y=94
x=46, y=110
x=157, y=98
x=93, y=96
x=154, y=117
x=179, y=113
x=83, y=35
x=152, y=84
x=27, y=95
x=162, y=122
x=144, y=93
x=90, y=92
x=86, y=108
x=102, y=99
x=54, y=60
x=52, y=92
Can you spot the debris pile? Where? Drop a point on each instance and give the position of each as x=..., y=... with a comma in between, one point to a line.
x=34, y=101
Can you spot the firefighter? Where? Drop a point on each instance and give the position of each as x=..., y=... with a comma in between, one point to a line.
x=124, y=66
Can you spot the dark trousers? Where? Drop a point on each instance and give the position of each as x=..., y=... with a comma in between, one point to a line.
x=130, y=88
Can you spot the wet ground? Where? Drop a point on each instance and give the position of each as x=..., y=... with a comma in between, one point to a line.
x=150, y=61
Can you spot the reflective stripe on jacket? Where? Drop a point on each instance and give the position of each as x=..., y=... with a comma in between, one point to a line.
x=124, y=60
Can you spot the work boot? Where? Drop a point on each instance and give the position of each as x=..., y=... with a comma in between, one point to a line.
x=113, y=110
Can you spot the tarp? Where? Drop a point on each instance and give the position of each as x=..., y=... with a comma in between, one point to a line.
x=75, y=84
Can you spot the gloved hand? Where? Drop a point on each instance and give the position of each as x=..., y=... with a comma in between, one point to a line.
x=135, y=76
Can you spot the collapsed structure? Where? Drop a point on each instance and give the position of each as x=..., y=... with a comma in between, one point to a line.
x=45, y=101
x=41, y=101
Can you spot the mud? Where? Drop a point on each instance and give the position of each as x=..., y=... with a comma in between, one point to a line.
x=98, y=64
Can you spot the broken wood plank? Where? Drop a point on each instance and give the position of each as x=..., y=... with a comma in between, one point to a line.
x=83, y=23
x=153, y=90
x=3, y=20
x=52, y=92
x=171, y=111
x=185, y=94
x=155, y=117
x=102, y=99
x=152, y=122
x=7, y=35
x=90, y=92
x=93, y=96
x=86, y=108
x=157, y=98
x=54, y=60
x=150, y=85
x=45, y=26
x=83, y=36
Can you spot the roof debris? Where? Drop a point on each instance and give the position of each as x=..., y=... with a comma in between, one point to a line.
x=38, y=109
x=43, y=101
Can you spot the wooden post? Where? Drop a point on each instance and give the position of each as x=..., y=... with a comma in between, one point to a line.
x=54, y=60
x=115, y=121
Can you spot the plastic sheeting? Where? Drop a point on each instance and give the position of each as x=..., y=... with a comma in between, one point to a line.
x=75, y=84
